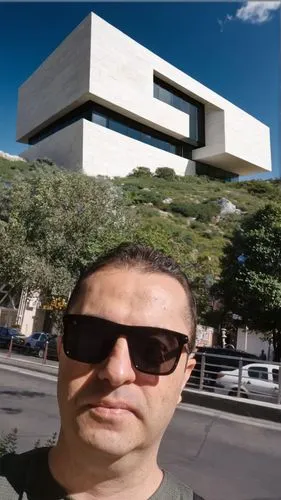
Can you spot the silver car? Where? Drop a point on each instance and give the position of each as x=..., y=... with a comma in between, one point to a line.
x=259, y=381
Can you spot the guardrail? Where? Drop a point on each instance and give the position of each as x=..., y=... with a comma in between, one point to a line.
x=226, y=375
x=21, y=348
x=237, y=376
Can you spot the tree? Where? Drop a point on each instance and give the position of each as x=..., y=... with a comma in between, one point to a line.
x=197, y=267
x=51, y=226
x=166, y=173
x=251, y=276
x=141, y=172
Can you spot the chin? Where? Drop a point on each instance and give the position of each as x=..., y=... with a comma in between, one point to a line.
x=106, y=437
x=107, y=443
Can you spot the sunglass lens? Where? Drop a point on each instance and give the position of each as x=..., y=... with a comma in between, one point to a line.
x=155, y=354
x=86, y=344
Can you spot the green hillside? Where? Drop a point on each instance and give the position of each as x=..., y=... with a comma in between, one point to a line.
x=192, y=215
x=182, y=216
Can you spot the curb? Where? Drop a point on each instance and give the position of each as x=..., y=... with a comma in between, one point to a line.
x=29, y=365
x=228, y=404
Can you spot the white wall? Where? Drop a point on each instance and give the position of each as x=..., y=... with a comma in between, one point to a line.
x=247, y=138
x=107, y=152
x=60, y=81
x=253, y=343
x=64, y=147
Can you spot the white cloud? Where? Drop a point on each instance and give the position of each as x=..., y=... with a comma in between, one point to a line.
x=252, y=12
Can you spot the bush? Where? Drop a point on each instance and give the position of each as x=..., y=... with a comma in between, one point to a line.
x=141, y=172
x=147, y=197
x=259, y=187
x=204, y=212
x=165, y=173
x=185, y=209
x=44, y=161
x=9, y=442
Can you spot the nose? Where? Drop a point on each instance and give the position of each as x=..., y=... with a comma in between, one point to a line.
x=117, y=369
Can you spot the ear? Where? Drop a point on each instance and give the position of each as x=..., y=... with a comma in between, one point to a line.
x=190, y=365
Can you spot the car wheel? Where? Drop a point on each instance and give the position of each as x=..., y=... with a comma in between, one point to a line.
x=41, y=353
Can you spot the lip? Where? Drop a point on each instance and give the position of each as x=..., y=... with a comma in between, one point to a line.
x=113, y=407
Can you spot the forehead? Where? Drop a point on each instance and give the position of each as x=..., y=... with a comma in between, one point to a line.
x=135, y=297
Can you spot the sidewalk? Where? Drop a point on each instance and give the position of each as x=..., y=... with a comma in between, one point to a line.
x=51, y=367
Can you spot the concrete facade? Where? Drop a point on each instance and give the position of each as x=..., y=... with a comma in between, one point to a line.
x=253, y=343
x=98, y=63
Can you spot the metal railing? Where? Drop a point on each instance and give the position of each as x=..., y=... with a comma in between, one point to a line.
x=21, y=348
x=232, y=376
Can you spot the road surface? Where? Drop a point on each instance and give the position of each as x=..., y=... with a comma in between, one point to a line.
x=223, y=457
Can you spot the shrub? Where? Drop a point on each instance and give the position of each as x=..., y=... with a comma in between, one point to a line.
x=44, y=161
x=141, y=172
x=206, y=211
x=165, y=173
x=9, y=442
x=185, y=209
x=147, y=197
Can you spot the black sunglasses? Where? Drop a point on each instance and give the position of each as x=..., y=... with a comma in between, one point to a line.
x=90, y=339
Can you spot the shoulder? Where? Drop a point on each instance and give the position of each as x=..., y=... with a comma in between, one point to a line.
x=14, y=469
x=174, y=489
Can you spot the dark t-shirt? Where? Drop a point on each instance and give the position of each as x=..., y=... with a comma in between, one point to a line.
x=28, y=477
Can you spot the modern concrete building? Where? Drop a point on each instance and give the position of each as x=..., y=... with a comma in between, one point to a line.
x=104, y=104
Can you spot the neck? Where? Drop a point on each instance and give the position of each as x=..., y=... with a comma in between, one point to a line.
x=89, y=475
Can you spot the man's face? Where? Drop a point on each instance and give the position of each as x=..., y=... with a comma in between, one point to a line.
x=131, y=297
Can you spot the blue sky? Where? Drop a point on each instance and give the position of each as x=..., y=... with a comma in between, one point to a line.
x=233, y=48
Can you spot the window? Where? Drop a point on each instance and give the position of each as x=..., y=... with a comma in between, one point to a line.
x=215, y=173
x=36, y=336
x=117, y=126
x=134, y=133
x=259, y=372
x=126, y=126
x=275, y=375
x=123, y=125
x=174, y=97
x=99, y=119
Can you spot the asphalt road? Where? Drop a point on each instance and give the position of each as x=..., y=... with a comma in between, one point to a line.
x=223, y=457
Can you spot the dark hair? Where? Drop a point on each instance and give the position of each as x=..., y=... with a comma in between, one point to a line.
x=147, y=259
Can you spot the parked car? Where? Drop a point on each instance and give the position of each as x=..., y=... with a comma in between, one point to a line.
x=6, y=333
x=217, y=359
x=259, y=381
x=35, y=340
x=52, y=348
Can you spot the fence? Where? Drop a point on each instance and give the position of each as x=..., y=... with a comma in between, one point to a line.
x=237, y=376
x=47, y=350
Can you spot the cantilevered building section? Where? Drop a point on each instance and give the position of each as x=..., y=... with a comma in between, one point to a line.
x=104, y=104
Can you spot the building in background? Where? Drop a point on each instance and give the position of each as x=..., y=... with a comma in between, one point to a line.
x=104, y=104
x=254, y=343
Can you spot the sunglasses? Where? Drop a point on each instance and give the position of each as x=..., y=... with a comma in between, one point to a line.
x=90, y=339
